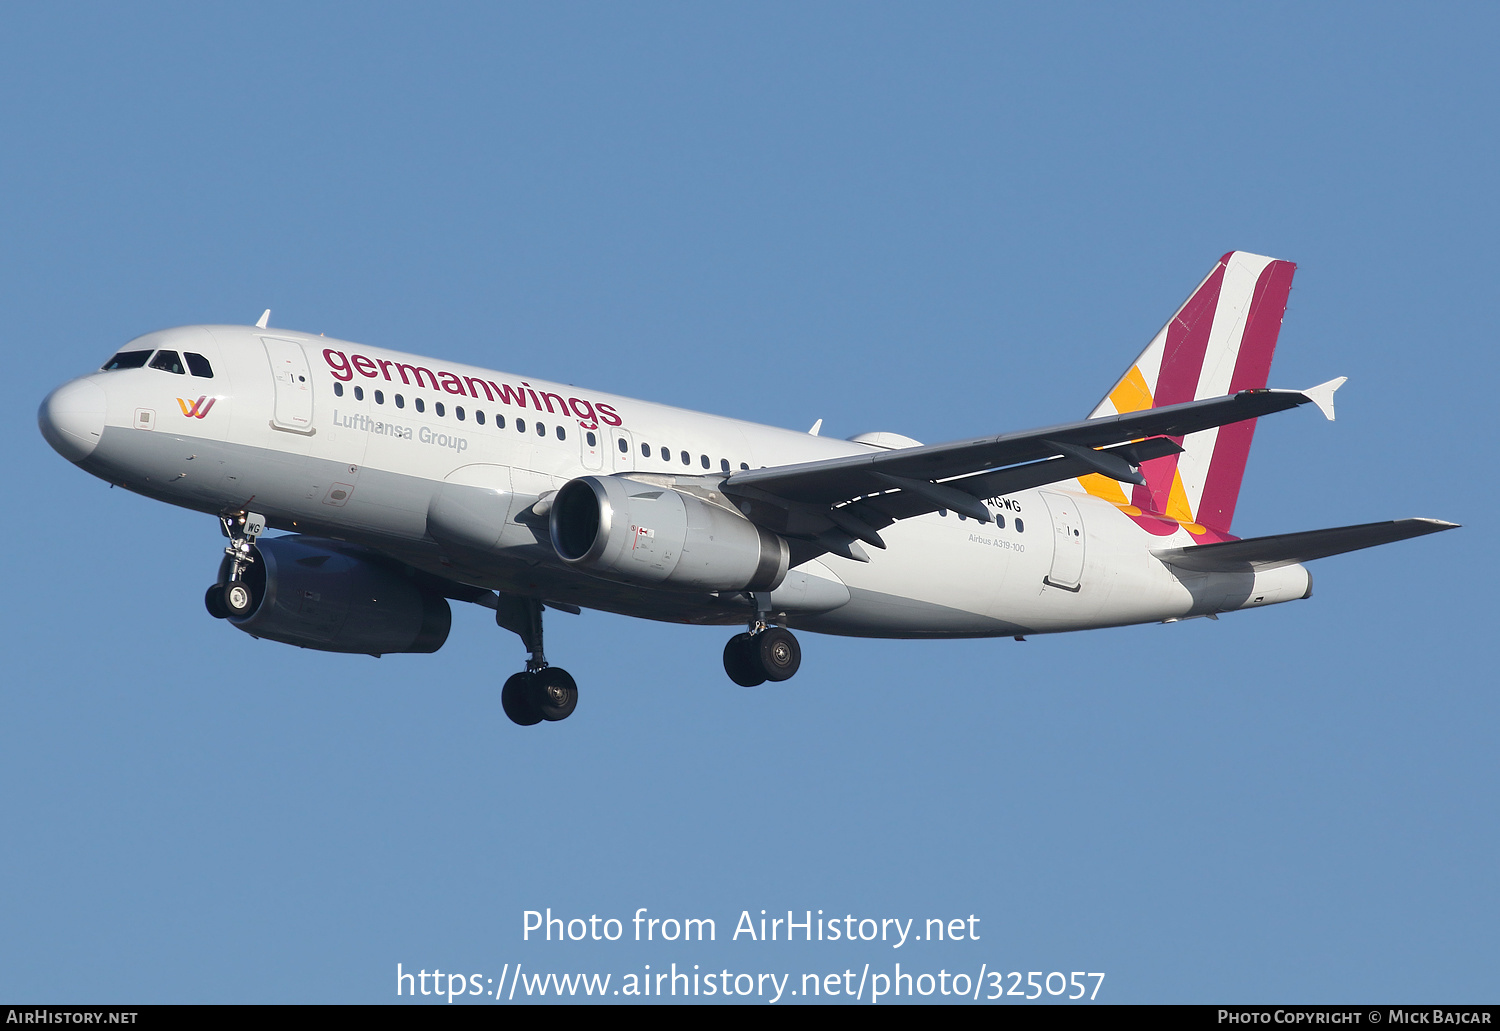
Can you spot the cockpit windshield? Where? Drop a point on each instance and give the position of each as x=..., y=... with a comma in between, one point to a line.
x=126, y=360
x=168, y=361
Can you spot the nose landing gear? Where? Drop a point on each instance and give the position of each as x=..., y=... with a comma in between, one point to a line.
x=764, y=653
x=234, y=596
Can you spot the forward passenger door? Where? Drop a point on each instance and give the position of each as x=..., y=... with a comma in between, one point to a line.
x=293, y=385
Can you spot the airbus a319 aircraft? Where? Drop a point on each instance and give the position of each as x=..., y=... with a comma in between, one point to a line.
x=408, y=482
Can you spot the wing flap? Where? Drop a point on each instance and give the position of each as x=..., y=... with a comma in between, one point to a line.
x=907, y=503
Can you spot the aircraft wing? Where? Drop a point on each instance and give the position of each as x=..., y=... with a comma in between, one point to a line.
x=839, y=500
x=1285, y=548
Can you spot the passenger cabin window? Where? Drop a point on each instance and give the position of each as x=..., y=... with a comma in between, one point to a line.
x=168, y=361
x=198, y=365
x=541, y=430
x=704, y=459
x=624, y=447
x=126, y=360
x=420, y=404
x=400, y=401
x=338, y=389
x=562, y=433
x=499, y=421
x=744, y=467
x=359, y=393
x=479, y=417
x=520, y=425
x=438, y=407
x=1020, y=526
x=589, y=436
x=458, y=412
x=723, y=465
x=666, y=454
x=645, y=449
x=380, y=397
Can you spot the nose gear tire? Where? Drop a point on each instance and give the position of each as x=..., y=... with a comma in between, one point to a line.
x=213, y=600
x=238, y=599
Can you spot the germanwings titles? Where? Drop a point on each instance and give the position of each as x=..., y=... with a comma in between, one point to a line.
x=406, y=483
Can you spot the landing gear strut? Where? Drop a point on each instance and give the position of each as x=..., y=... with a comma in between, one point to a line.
x=235, y=596
x=541, y=692
x=763, y=653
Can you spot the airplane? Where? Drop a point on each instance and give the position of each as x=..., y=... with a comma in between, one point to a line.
x=405, y=483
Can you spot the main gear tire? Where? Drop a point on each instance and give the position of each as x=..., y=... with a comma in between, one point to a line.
x=741, y=662
x=517, y=700
x=554, y=694
x=779, y=654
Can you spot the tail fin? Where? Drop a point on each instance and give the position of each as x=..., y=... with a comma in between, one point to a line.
x=1219, y=342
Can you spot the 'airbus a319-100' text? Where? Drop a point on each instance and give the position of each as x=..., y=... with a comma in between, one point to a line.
x=408, y=483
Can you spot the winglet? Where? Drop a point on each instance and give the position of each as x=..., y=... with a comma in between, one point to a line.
x=1322, y=395
x=265, y=317
x=816, y=427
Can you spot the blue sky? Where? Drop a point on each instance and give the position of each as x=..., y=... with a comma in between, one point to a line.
x=939, y=222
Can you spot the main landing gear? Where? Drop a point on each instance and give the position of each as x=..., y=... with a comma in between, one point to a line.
x=236, y=594
x=764, y=653
x=541, y=692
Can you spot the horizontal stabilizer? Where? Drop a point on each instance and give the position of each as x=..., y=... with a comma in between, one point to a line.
x=1286, y=548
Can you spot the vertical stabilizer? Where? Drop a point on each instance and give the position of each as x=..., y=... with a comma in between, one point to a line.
x=1220, y=341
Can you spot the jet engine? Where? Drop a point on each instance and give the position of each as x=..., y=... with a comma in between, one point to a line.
x=336, y=597
x=626, y=530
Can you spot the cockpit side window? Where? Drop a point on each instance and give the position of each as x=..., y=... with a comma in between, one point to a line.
x=126, y=360
x=198, y=365
x=168, y=361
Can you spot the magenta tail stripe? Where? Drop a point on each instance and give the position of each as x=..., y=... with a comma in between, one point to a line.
x=1252, y=370
x=1187, y=343
x=1181, y=367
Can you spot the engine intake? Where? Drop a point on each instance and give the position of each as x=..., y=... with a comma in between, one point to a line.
x=336, y=597
x=626, y=530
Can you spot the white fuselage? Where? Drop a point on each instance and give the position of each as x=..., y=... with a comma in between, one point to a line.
x=386, y=450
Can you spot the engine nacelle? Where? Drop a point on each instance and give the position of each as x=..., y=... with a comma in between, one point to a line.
x=639, y=533
x=336, y=597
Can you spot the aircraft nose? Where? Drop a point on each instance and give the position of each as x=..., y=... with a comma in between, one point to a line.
x=72, y=418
